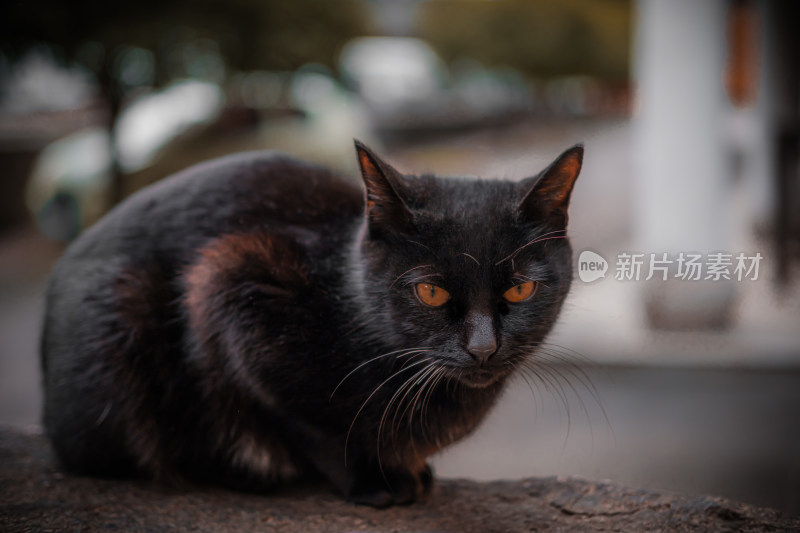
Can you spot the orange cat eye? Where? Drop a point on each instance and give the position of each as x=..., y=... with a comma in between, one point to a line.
x=431, y=294
x=521, y=292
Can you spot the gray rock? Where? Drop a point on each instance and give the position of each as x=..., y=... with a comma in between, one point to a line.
x=35, y=495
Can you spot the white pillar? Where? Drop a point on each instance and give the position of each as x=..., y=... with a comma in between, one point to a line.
x=683, y=186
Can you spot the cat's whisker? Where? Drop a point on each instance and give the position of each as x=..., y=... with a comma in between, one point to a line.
x=410, y=421
x=561, y=358
x=568, y=351
x=574, y=369
x=583, y=378
x=421, y=384
x=531, y=388
x=414, y=408
x=395, y=424
x=426, y=402
x=540, y=238
x=398, y=278
x=562, y=365
x=409, y=351
x=407, y=383
x=384, y=382
x=565, y=356
x=536, y=375
x=554, y=371
x=423, y=391
x=553, y=386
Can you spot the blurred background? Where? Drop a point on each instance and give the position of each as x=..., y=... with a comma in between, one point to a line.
x=689, y=112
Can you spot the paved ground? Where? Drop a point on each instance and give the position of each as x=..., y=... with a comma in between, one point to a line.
x=697, y=413
x=36, y=496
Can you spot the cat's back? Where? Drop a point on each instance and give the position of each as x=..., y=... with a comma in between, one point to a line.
x=233, y=194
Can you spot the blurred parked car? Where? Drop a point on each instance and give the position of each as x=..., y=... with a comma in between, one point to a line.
x=407, y=88
x=69, y=185
x=305, y=113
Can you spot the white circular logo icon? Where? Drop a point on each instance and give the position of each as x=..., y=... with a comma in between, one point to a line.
x=591, y=266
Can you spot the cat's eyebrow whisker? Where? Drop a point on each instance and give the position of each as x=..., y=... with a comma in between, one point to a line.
x=468, y=255
x=513, y=255
x=409, y=351
x=421, y=278
x=522, y=277
x=420, y=244
x=398, y=278
x=540, y=238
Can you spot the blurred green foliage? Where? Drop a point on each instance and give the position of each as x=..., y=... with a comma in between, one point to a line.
x=248, y=34
x=541, y=38
x=130, y=44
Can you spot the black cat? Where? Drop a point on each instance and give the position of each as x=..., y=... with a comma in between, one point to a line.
x=255, y=318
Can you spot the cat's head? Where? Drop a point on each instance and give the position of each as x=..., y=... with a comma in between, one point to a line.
x=473, y=272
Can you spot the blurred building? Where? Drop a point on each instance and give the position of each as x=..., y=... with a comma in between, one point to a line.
x=716, y=142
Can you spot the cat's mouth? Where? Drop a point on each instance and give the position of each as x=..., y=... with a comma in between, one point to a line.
x=477, y=377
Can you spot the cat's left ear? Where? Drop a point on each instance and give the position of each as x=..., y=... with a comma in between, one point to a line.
x=385, y=207
x=548, y=193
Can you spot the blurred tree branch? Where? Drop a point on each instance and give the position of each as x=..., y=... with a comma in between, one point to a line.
x=541, y=38
x=246, y=34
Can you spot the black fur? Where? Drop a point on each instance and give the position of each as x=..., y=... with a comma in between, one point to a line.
x=254, y=318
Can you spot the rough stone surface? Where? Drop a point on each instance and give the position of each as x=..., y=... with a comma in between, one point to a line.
x=36, y=496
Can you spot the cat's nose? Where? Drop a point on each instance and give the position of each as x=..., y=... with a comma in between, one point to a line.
x=482, y=352
x=481, y=339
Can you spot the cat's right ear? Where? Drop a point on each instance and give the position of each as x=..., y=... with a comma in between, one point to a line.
x=385, y=208
x=548, y=193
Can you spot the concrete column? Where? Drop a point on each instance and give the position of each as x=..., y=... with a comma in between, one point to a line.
x=683, y=186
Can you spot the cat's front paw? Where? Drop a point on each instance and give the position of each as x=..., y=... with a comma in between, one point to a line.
x=425, y=477
x=375, y=497
x=394, y=487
